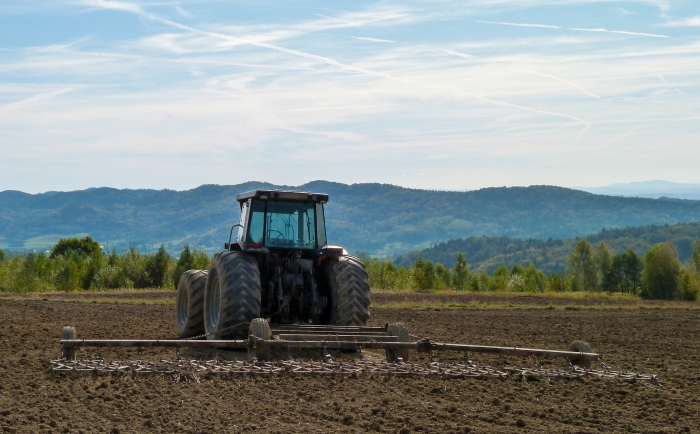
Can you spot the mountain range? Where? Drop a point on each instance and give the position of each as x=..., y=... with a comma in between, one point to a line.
x=377, y=218
x=649, y=189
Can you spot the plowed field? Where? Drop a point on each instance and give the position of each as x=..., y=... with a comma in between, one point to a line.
x=664, y=340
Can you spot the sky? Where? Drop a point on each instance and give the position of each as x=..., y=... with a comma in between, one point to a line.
x=432, y=94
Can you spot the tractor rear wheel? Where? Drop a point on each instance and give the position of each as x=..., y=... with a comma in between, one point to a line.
x=189, y=304
x=349, y=286
x=231, y=295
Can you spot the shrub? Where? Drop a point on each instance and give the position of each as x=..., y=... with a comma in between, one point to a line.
x=156, y=268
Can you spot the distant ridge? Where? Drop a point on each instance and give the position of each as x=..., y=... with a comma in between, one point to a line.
x=377, y=218
x=649, y=189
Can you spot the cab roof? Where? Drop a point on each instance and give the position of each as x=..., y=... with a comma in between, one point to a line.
x=287, y=195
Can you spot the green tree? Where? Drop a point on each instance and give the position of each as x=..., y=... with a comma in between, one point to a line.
x=688, y=287
x=2, y=255
x=443, y=274
x=424, y=276
x=557, y=283
x=133, y=266
x=695, y=257
x=84, y=246
x=184, y=262
x=517, y=269
x=501, y=277
x=581, y=267
x=156, y=268
x=603, y=258
x=624, y=273
x=662, y=272
x=461, y=276
x=532, y=281
x=484, y=283
x=71, y=272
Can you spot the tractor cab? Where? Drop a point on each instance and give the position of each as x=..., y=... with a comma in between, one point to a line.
x=277, y=219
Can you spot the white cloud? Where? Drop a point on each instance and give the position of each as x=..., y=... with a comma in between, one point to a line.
x=112, y=5
x=685, y=22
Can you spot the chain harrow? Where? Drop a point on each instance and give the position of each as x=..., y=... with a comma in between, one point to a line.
x=184, y=370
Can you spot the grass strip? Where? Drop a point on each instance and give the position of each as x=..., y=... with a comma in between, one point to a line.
x=489, y=306
x=134, y=301
x=554, y=295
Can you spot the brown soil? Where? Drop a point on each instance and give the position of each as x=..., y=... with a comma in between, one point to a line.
x=663, y=341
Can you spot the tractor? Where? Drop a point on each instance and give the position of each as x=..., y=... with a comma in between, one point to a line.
x=280, y=268
x=280, y=286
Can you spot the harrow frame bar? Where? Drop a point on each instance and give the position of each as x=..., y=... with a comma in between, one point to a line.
x=318, y=337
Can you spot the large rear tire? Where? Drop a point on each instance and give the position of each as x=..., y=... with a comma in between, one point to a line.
x=349, y=285
x=232, y=295
x=189, y=303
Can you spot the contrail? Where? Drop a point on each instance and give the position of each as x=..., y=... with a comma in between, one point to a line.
x=587, y=125
x=365, y=38
x=675, y=88
x=337, y=19
x=328, y=61
x=310, y=56
x=547, y=26
x=554, y=77
x=621, y=32
x=455, y=53
x=543, y=26
x=37, y=98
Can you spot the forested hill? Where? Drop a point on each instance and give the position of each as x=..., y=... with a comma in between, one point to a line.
x=489, y=253
x=376, y=218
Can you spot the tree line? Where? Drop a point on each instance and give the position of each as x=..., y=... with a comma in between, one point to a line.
x=80, y=264
x=659, y=274
x=489, y=253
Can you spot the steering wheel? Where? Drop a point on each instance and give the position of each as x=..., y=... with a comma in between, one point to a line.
x=281, y=235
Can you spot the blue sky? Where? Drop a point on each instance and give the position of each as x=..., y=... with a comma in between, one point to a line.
x=425, y=94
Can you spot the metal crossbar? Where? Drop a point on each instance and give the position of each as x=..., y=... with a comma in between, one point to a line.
x=329, y=342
